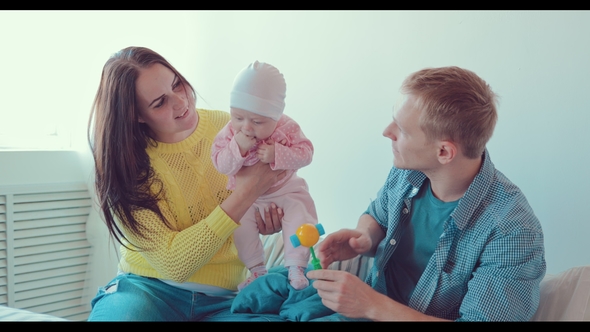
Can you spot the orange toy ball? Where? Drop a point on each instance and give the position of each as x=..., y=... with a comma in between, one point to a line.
x=308, y=235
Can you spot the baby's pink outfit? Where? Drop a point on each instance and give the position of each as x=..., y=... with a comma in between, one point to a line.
x=290, y=194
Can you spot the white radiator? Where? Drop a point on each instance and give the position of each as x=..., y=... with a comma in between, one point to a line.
x=43, y=248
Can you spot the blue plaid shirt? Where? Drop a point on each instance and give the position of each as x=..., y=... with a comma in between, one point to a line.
x=489, y=260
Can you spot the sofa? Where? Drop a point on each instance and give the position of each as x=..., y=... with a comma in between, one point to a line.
x=564, y=296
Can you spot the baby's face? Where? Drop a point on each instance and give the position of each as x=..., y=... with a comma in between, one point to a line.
x=251, y=124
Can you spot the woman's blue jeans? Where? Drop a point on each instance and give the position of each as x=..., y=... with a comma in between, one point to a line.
x=130, y=297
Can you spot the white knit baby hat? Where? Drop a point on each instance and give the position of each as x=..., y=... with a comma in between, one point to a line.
x=259, y=88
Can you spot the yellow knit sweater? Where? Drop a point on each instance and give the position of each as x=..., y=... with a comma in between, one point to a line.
x=200, y=247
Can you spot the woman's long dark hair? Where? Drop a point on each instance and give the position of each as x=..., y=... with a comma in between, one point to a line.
x=118, y=141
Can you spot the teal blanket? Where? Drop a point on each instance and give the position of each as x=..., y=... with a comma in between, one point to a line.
x=272, y=294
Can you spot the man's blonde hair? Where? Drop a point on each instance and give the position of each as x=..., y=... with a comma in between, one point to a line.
x=457, y=105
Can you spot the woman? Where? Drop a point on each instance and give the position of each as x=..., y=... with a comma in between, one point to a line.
x=161, y=197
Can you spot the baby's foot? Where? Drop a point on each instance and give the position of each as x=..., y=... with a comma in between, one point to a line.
x=297, y=278
x=255, y=273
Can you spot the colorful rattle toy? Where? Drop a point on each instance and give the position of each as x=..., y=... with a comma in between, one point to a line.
x=307, y=235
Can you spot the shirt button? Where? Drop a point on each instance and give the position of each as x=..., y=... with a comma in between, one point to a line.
x=405, y=211
x=392, y=242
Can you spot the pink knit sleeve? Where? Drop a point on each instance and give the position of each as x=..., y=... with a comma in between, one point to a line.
x=225, y=152
x=292, y=149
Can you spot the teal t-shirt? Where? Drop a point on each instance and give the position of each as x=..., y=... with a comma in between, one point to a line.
x=417, y=243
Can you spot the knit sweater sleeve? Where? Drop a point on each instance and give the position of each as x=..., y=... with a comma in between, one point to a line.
x=177, y=255
x=225, y=152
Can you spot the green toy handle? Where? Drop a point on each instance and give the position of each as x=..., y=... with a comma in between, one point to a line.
x=315, y=261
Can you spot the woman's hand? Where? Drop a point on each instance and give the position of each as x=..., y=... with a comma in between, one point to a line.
x=272, y=220
x=257, y=178
x=251, y=182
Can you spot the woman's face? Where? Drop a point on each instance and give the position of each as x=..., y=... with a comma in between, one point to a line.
x=165, y=104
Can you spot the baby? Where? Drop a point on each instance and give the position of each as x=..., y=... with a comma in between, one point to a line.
x=259, y=131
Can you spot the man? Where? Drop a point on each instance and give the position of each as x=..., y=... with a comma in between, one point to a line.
x=452, y=237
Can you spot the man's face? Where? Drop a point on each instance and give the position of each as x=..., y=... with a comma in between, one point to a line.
x=411, y=148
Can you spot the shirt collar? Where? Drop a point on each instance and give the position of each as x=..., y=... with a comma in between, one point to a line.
x=477, y=190
x=472, y=198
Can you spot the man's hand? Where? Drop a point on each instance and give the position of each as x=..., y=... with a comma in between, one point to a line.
x=349, y=296
x=245, y=143
x=345, y=293
x=342, y=245
x=266, y=152
x=272, y=220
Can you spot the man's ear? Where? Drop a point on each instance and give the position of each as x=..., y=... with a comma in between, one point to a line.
x=447, y=151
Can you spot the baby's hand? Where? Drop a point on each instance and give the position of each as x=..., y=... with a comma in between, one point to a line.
x=266, y=152
x=245, y=143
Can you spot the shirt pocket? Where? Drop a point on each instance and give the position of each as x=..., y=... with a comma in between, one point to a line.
x=451, y=290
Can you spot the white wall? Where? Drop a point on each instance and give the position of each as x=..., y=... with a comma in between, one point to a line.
x=343, y=71
x=51, y=62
